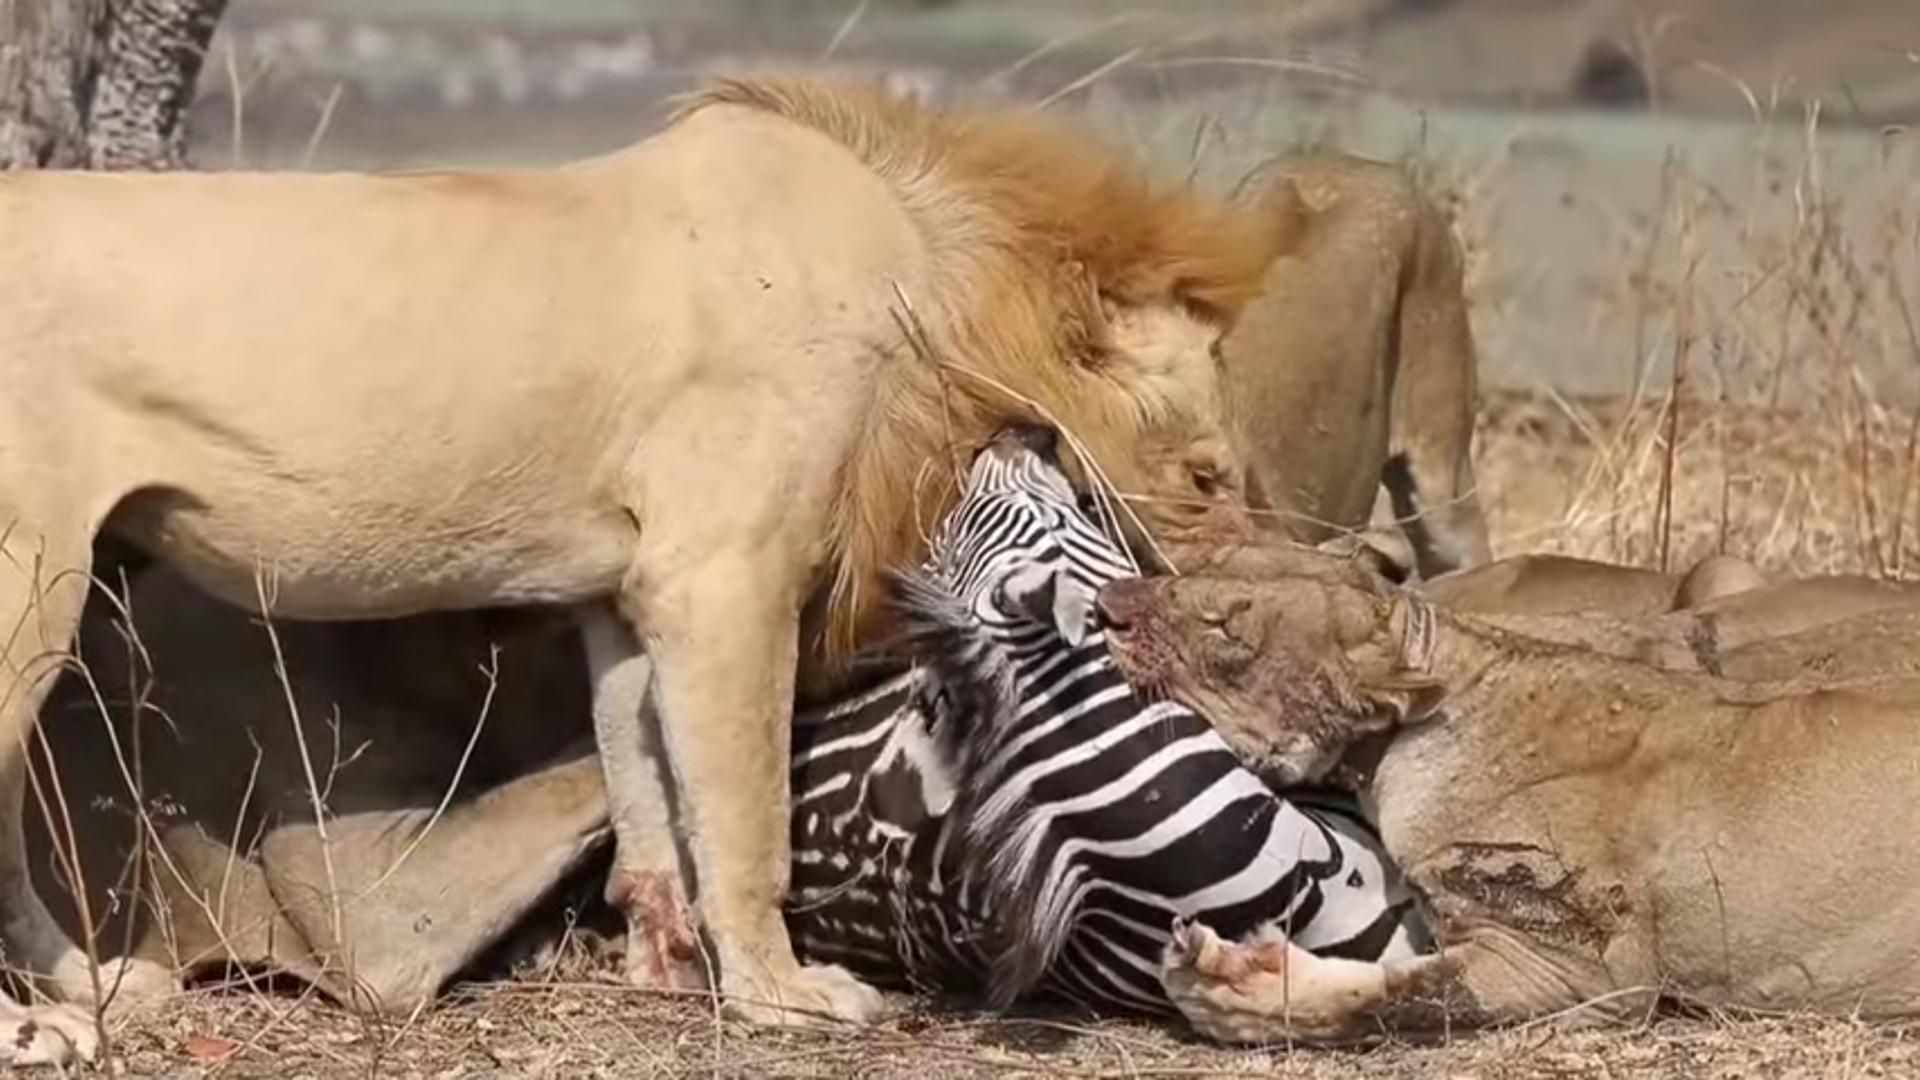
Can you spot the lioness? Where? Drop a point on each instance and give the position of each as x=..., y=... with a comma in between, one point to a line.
x=672, y=383
x=1587, y=831
x=452, y=750
x=1356, y=365
x=1561, y=584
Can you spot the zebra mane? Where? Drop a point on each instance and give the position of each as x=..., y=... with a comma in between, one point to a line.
x=978, y=708
x=969, y=678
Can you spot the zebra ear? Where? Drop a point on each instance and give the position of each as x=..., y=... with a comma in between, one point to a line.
x=1048, y=595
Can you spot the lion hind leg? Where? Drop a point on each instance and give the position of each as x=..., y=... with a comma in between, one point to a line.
x=723, y=631
x=56, y=1035
x=648, y=883
x=413, y=900
x=43, y=589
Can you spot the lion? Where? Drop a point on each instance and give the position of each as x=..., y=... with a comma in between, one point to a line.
x=1562, y=584
x=705, y=390
x=453, y=751
x=1537, y=584
x=1588, y=832
x=1355, y=368
x=1722, y=616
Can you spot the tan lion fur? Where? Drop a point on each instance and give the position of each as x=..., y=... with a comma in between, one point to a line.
x=1037, y=236
x=1719, y=617
x=1356, y=367
x=1590, y=833
x=1563, y=584
x=672, y=381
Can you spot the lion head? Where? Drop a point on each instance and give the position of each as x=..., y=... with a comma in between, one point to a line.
x=1068, y=289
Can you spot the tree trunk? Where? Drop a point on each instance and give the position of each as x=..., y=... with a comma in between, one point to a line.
x=145, y=81
x=45, y=48
x=99, y=83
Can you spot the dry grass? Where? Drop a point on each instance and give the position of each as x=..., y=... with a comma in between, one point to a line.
x=597, y=1029
x=1776, y=410
x=1791, y=491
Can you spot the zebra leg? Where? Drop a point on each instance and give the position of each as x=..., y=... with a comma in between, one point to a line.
x=1268, y=989
x=647, y=883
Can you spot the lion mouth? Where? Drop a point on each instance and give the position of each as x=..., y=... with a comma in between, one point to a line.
x=1148, y=674
x=1131, y=615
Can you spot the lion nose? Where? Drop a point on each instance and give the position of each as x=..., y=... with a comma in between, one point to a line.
x=1120, y=603
x=1035, y=438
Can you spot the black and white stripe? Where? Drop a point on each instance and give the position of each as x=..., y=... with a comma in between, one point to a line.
x=1015, y=772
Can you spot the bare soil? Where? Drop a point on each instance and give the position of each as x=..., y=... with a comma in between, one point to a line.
x=600, y=1029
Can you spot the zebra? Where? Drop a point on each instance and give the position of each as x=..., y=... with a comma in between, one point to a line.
x=1008, y=816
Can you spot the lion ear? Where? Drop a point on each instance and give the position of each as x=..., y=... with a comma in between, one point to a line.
x=1287, y=214
x=1410, y=697
x=1089, y=317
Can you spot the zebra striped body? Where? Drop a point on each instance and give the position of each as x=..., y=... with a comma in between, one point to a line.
x=1010, y=815
x=872, y=795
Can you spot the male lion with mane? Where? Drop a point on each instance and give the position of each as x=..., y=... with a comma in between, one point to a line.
x=671, y=385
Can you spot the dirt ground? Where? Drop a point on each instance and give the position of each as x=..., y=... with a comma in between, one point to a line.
x=595, y=1029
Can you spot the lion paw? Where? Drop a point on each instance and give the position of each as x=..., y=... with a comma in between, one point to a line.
x=123, y=979
x=57, y=1035
x=811, y=994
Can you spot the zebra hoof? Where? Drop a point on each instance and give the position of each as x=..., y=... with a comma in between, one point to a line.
x=1267, y=989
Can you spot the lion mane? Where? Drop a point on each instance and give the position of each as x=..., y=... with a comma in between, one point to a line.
x=1034, y=232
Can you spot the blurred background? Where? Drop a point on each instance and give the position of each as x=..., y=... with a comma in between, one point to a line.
x=1722, y=190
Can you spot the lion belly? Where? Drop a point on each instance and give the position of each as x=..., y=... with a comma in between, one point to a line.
x=317, y=559
x=399, y=393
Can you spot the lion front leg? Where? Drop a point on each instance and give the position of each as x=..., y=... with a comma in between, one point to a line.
x=647, y=882
x=44, y=565
x=723, y=634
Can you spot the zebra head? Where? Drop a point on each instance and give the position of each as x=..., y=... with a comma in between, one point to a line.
x=1017, y=552
x=1015, y=565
